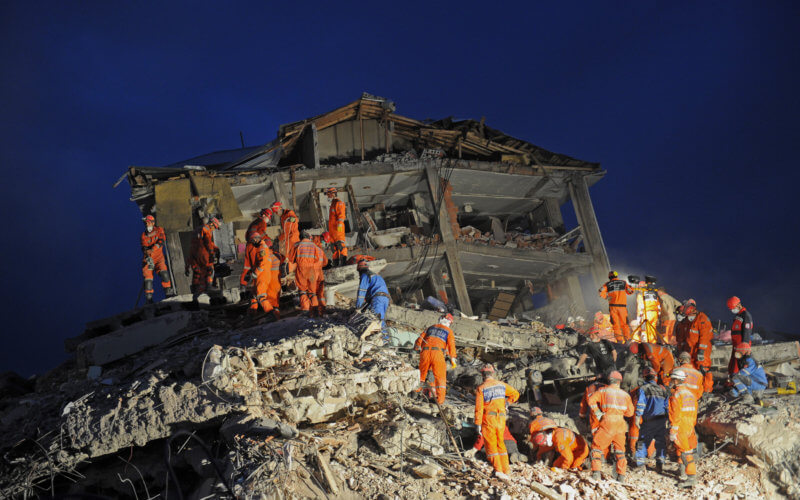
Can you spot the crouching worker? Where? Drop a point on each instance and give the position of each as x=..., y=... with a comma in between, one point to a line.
x=539, y=423
x=571, y=448
x=750, y=378
x=490, y=418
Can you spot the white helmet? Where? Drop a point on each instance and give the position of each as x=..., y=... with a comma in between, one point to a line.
x=678, y=374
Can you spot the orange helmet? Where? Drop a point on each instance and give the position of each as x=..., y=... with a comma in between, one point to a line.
x=689, y=310
x=362, y=265
x=265, y=212
x=743, y=348
x=733, y=302
x=149, y=218
x=330, y=190
x=615, y=375
x=255, y=235
x=276, y=206
x=326, y=237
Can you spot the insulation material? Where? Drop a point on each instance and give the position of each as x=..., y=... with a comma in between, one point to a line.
x=254, y=197
x=218, y=191
x=173, y=205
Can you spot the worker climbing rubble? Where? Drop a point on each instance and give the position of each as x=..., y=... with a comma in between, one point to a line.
x=617, y=291
x=648, y=312
x=434, y=344
x=741, y=330
x=682, y=408
x=203, y=253
x=337, y=214
x=490, y=417
x=571, y=448
x=153, y=241
x=651, y=418
x=372, y=292
x=308, y=259
x=750, y=378
x=610, y=406
x=698, y=341
x=658, y=356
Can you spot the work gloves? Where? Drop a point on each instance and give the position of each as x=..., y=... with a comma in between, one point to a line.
x=452, y=362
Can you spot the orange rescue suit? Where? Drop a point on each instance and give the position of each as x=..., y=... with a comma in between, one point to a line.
x=610, y=405
x=152, y=244
x=201, y=258
x=660, y=358
x=433, y=344
x=572, y=449
x=682, y=335
x=319, y=286
x=699, y=339
x=336, y=217
x=682, y=419
x=309, y=258
x=648, y=307
x=257, y=226
x=262, y=263
x=617, y=291
x=290, y=233
x=490, y=414
x=694, y=380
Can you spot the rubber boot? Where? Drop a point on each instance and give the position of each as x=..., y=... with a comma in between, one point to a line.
x=689, y=482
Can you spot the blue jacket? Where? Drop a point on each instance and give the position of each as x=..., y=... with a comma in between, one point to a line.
x=652, y=401
x=371, y=286
x=754, y=372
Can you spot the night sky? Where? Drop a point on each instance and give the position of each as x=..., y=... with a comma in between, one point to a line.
x=691, y=107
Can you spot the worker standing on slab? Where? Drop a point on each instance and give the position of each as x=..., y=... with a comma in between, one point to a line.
x=570, y=447
x=602, y=353
x=699, y=340
x=682, y=409
x=262, y=277
x=319, y=286
x=668, y=306
x=617, y=291
x=337, y=214
x=610, y=406
x=308, y=258
x=153, y=240
x=741, y=330
x=694, y=378
x=750, y=378
x=372, y=290
x=659, y=357
x=434, y=344
x=651, y=419
x=490, y=417
x=648, y=309
x=259, y=224
x=203, y=253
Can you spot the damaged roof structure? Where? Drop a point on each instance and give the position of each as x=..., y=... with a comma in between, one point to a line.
x=458, y=210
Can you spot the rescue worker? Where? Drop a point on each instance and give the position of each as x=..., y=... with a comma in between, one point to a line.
x=539, y=423
x=617, y=291
x=308, y=259
x=508, y=439
x=698, y=340
x=694, y=379
x=610, y=406
x=372, y=290
x=648, y=309
x=659, y=357
x=682, y=409
x=490, y=418
x=259, y=224
x=319, y=286
x=584, y=412
x=254, y=239
x=668, y=306
x=337, y=214
x=741, y=330
x=602, y=353
x=153, y=240
x=202, y=255
x=651, y=419
x=681, y=330
x=262, y=277
x=434, y=344
x=571, y=448
x=274, y=288
x=750, y=379
x=602, y=326
x=289, y=234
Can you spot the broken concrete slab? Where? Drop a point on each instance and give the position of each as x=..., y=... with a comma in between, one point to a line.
x=132, y=339
x=766, y=354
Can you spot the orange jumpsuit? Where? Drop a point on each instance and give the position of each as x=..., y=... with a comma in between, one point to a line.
x=604, y=329
x=336, y=217
x=682, y=419
x=434, y=343
x=660, y=358
x=617, y=291
x=290, y=233
x=262, y=271
x=572, y=449
x=633, y=426
x=319, y=286
x=610, y=405
x=682, y=335
x=694, y=380
x=250, y=254
x=257, y=226
x=152, y=244
x=648, y=308
x=700, y=335
x=201, y=258
x=308, y=257
x=274, y=288
x=490, y=414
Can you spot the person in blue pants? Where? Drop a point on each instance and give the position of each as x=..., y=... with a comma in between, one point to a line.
x=651, y=412
x=372, y=290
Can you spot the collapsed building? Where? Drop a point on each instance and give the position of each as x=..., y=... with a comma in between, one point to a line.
x=458, y=210
x=174, y=401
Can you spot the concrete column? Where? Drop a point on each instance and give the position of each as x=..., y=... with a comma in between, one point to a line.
x=573, y=285
x=592, y=239
x=451, y=251
x=553, y=210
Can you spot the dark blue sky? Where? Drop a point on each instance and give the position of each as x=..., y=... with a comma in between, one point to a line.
x=692, y=107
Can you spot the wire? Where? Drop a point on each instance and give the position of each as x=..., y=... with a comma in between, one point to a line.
x=204, y=447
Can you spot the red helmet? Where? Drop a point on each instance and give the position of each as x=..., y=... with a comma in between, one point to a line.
x=214, y=222
x=267, y=240
x=447, y=317
x=540, y=439
x=487, y=368
x=330, y=190
x=689, y=302
x=743, y=348
x=362, y=264
x=598, y=315
x=265, y=212
x=733, y=302
x=276, y=206
x=634, y=347
x=255, y=235
x=615, y=375
x=689, y=310
x=326, y=237
x=149, y=218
